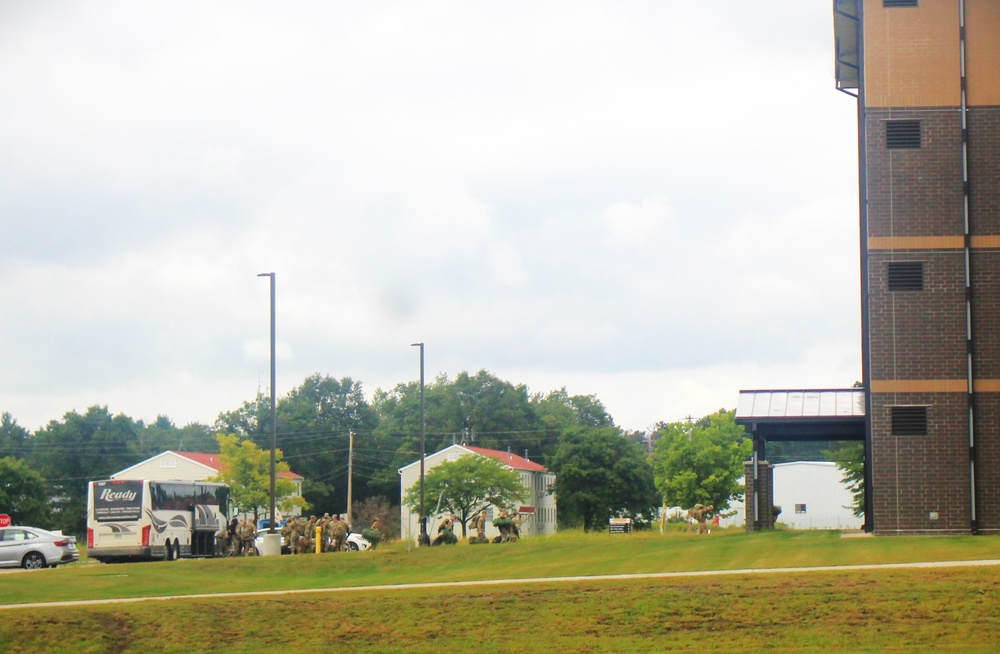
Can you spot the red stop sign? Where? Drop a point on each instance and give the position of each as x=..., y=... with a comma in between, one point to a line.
x=4, y=520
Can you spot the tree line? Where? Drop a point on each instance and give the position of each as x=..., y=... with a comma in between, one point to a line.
x=601, y=470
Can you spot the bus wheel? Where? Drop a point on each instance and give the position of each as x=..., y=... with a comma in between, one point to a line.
x=168, y=553
x=177, y=550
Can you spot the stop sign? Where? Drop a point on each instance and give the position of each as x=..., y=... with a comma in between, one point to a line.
x=4, y=520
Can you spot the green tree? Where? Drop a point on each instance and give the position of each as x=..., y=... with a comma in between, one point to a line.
x=246, y=469
x=476, y=409
x=79, y=449
x=13, y=437
x=314, y=423
x=466, y=486
x=23, y=493
x=559, y=410
x=161, y=435
x=701, y=463
x=850, y=458
x=601, y=474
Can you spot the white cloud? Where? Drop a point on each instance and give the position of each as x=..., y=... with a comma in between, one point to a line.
x=629, y=199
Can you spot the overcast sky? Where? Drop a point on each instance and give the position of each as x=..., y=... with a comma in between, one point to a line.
x=654, y=202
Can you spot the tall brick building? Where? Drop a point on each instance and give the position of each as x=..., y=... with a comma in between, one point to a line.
x=926, y=74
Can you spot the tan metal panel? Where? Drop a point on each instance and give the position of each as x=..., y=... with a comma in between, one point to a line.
x=912, y=55
x=982, y=52
x=919, y=386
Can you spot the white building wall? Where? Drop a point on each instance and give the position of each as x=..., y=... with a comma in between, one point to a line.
x=811, y=496
x=166, y=466
x=169, y=466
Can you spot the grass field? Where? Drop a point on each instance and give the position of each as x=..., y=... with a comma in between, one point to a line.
x=950, y=609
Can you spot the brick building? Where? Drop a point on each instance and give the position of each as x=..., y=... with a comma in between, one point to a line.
x=926, y=74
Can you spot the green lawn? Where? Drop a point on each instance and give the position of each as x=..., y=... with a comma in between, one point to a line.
x=928, y=610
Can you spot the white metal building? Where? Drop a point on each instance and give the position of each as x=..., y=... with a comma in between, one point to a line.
x=811, y=496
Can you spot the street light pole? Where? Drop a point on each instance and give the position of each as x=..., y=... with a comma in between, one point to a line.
x=274, y=424
x=424, y=538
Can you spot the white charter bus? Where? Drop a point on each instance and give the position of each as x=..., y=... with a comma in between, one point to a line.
x=135, y=519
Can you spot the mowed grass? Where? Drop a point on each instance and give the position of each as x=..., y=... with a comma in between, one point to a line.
x=945, y=609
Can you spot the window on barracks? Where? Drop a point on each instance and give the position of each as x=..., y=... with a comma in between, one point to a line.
x=800, y=508
x=899, y=3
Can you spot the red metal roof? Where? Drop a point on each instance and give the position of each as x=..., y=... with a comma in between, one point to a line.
x=212, y=461
x=507, y=458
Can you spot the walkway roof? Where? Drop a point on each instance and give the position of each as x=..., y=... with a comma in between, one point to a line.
x=803, y=415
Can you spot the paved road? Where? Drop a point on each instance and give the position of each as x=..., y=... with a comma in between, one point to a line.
x=501, y=582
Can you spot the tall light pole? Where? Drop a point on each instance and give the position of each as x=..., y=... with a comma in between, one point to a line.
x=274, y=423
x=424, y=538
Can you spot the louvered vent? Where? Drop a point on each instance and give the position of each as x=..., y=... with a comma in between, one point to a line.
x=906, y=275
x=899, y=3
x=902, y=133
x=909, y=420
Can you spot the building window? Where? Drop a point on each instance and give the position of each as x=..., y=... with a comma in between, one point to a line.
x=899, y=3
x=909, y=420
x=800, y=508
x=902, y=134
x=906, y=275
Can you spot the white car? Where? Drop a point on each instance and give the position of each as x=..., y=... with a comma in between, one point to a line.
x=355, y=543
x=32, y=548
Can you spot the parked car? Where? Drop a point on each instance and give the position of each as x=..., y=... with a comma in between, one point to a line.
x=33, y=548
x=355, y=543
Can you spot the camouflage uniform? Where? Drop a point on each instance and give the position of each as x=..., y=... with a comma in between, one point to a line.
x=248, y=533
x=339, y=534
x=294, y=533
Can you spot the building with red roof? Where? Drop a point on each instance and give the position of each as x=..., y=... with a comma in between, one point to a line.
x=191, y=466
x=537, y=514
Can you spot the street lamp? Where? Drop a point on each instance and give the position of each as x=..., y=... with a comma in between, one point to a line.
x=272, y=538
x=424, y=538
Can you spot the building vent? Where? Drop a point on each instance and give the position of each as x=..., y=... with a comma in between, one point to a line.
x=906, y=275
x=909, y=420
x=899, y=3
x=902, y=134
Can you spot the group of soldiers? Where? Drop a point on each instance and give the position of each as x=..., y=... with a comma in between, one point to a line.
x=301, y=534
x=298, y=534
x=506, y=525
x=236, y=539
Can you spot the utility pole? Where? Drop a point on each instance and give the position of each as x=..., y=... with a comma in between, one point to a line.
x=350, y=478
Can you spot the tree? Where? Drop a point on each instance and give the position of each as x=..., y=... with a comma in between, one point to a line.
x=79, y=449
x=466, y=486
x=13, y=437
x=850, y=458
x=478, y=409
x=23, y=493
x=314, y=422
x=701, y=463
x=246, y=469
x=601, y=474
